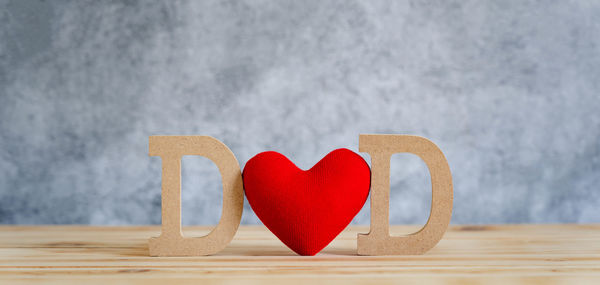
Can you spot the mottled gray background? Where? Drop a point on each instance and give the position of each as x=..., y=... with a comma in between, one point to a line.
x=509, y=90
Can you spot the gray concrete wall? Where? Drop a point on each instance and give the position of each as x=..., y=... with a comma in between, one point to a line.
x=510, y=91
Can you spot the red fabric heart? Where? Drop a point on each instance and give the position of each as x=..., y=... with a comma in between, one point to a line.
x=306, y=210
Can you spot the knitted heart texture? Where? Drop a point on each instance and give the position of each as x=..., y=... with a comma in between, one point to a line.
x=307, y=209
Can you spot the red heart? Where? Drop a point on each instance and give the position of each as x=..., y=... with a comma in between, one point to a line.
x=306, y=210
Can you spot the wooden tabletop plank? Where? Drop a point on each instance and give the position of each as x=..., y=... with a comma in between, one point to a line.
x=494, y=253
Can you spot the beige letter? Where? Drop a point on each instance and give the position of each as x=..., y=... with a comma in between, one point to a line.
x=171, y=241
x=378, y=241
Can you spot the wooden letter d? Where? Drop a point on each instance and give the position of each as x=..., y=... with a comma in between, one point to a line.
x=171, y=241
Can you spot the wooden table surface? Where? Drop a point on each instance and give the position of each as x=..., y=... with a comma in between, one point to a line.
x=546, y=254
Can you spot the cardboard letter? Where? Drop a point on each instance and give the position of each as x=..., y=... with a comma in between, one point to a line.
x=171, y=241
x=378, y=241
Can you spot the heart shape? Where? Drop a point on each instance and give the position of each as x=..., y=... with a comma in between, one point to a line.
x=306, y=210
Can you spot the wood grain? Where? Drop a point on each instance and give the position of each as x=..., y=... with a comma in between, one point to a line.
x=545, y=254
